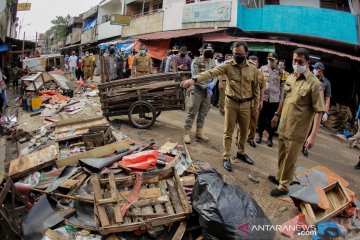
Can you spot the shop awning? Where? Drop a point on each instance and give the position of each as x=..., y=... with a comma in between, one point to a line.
x=215, y=37
x=177, y=33
x=260, y=47
x=156, y=48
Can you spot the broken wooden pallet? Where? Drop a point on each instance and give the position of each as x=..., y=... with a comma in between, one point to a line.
x=156, y=198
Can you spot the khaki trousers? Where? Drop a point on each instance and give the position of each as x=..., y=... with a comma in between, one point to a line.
x=252, y=127
x=235, y=113
x=87, y=72
x=222, y=97
x=288, y=154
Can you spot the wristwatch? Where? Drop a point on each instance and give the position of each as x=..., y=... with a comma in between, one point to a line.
x=194, y=78
x=277, y=114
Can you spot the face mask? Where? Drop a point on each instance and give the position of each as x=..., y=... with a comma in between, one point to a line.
x=142, y=52
x=316, y=72
x=182, y=54
x=272, y=64
x=239, y=59
x=112, y=51
x=133, y=52
x=87, y=54
x=299, y=69
x=208, y=54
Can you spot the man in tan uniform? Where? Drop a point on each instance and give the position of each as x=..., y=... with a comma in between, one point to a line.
x=255, y=115
x=88, y=65
x=142, y=63
x=302, y=100
x=241, y=88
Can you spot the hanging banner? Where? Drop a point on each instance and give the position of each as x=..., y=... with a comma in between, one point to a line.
x=207, y=12
x=24, y=6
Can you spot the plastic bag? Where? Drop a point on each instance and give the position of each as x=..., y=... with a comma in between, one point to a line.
x=226, y=211
x=140, y=161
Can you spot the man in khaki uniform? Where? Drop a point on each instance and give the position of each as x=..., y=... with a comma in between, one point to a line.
x=93, y=58
x=255, y=115
x=88, y=65
x=241, y=88
x=142, y=63
x=302, y=100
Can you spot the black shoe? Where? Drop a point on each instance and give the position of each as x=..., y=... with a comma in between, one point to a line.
x=227, y=164
x=252, y=143
x=278, y=193
x=273, y=180
x=245, y=158
x=305, y=152
x=222, y=113
x=269, y=143
x=258, y=139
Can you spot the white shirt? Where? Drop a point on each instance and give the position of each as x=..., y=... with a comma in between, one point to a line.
x=73, y=61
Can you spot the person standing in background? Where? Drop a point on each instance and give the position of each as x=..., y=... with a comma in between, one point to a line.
x=73, y=59
x=93, y=59
x=142, y=63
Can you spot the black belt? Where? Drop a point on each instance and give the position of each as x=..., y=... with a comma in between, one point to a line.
x=239, y=100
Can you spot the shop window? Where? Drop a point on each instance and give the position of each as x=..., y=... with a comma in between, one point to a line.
x=272, y=2
x=340, y=5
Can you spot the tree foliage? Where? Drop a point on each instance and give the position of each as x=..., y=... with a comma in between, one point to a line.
x=59, y=27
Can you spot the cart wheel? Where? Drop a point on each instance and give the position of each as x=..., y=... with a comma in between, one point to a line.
x=142, y=114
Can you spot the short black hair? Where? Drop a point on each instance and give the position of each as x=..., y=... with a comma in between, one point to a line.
x=253, y=58
x=240, y=44
x=183, y=49
x=282, y=60
x=303, y=52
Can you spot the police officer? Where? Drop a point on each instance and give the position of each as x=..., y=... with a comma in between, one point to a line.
x=88, y=65
x=200, y=95
x=272, y=97
x=111, y=61
x=241, y=88
x=255, y=115
x=142, y=63
x=302, y=100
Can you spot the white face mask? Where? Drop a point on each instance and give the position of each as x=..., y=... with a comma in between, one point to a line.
x=316, y=72
x=299, y=69
x=87, y=54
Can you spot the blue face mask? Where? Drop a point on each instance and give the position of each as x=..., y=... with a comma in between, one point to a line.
x=142, y=51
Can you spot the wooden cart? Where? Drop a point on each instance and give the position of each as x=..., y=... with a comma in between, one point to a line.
x=142, y=98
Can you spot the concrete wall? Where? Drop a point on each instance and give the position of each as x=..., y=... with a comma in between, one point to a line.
x=90, y=12
x=304, y=3
x=330, y=24
x=144, y=24
x=105, y=30
x=174, y=10
x=88, y=36
x=68, y=39
x=76, y=35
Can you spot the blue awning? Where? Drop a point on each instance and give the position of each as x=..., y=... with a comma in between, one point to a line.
x=4, y=47
x=90, y=24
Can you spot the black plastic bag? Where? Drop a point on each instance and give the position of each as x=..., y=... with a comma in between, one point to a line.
x=226, y=211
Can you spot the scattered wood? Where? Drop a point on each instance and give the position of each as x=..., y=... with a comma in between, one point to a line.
x=23, y=165
x=53, y=235
x=180, y=231
x=167, y=147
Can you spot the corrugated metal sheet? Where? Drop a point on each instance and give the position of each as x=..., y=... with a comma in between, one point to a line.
x=177, y=33
x=227, y=38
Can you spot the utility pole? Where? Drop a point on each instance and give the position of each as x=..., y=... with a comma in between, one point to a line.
x=23, y=46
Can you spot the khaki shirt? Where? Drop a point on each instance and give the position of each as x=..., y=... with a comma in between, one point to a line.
x=241, y=81
x=88, y=62
x=143, y=63
x=303, y=97
x=262, y=84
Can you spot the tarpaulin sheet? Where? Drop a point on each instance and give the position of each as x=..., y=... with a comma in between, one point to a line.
x=90, y=24
x=127, y=46
x=156, y=48
x=4, y=47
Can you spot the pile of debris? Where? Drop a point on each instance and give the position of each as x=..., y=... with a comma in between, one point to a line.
x=339, y=118
x=112, y=185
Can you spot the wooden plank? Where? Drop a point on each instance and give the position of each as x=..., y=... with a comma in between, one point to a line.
x=94, y=153
x=168, y=205
x=104, y=220
x=34, y=161
x=174, y=196
x=152, y=201
x=180, y=231
x=158, y=208
x=143, y=194
x=182, y=195
x=75, y=120
x=69, y=183
x=53, y=235
x=188, y=180
x=114, y=196
x=167, y=147
x=81, y=177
